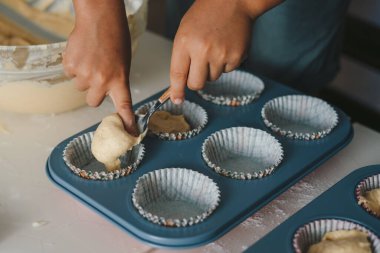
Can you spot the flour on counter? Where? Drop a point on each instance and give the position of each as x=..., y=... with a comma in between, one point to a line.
x=40, y=223
x=137, y=91
x=214, y=247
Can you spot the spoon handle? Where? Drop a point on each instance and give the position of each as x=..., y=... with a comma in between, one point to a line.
x=165, y=96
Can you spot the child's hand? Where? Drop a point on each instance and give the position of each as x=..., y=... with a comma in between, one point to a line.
x=213, y=38
x=98, y=55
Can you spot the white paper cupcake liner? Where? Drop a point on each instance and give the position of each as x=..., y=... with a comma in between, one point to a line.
x=194, y=114
x=370, y=183
x=78, y=157
x=313, y=232
x=242, y=152
x=233, y=89
x=299, y=117
x=175, y=197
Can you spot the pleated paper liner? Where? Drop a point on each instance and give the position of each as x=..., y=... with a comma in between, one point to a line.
x=313, y=232
x=233, y=89
x=242, y=152
x=369, y=183
x=299, y=117
x=194, y=114
x=78, y=157
x=175, y=197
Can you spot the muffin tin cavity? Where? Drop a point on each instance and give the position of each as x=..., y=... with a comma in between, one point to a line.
x=368, y=184
x=299, y=117
x=242, y=152
x=233, y=89
x=194, y=114
x=175, y=197
x=313, y=232
x=78, y=157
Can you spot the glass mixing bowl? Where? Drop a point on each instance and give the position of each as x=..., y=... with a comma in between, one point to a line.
x=32, y=79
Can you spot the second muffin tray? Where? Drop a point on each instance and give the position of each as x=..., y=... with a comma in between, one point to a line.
x=239, y=198
x=337, y=203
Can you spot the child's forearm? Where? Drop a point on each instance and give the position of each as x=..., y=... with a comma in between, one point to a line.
x=98, y=55
x=255, y=8
x=213, y=38
x=111, y=9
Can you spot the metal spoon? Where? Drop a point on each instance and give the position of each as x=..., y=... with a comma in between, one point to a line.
x=143, y=120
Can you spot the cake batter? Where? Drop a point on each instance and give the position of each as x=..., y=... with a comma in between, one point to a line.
x=14, y=34
x=342, y=241
x=40, y=97
x=165, y=122
x=372, y=200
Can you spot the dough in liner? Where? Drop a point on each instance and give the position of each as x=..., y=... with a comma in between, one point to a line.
x=112, y=141
x=372, y=200
x=342, y=241
x=165, y=122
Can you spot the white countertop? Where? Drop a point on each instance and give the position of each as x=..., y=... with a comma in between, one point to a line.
x=35, y=216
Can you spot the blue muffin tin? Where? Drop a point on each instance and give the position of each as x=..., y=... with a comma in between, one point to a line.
x=339, y=202
x=239, y=198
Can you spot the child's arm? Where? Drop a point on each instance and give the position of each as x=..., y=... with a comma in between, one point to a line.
x=212, y=38
x=98, y=55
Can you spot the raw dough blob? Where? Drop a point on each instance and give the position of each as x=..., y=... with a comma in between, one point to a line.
x=372, y=200
x=165, y=122
x=112, y=141
x=342, y=241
